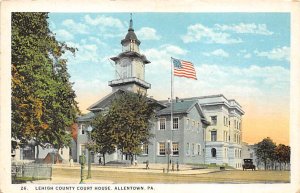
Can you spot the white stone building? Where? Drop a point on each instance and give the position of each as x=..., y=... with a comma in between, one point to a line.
x=206, y=130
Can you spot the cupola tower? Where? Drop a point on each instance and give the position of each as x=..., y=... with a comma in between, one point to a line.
x=130, y=65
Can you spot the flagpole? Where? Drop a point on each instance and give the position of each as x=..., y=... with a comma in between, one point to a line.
x=171, y=121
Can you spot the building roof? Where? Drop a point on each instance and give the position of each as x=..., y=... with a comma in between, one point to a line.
x=106, y=101
x=87, y=117
x=131, y=54
x=178, y=107
x=183, y=107
x=130, y=36
x=217, y=99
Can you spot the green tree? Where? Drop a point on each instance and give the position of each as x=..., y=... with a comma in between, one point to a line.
x=283, y=154
x=103, y=136
x=265, y=151
x=43, y=101
x=126, y=125
x=130, y=116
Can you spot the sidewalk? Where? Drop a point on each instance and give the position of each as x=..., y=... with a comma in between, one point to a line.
x=153, y=168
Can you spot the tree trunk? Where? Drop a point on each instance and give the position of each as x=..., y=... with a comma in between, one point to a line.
x=103, y=158
x=57, y=156
x=37, y=152
x=131, y=158
x=265, y=163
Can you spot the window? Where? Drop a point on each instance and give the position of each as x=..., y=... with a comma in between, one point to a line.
x=175, y=123
x=175, y=148
x=162, y=124
x=193, y=149
x=224, y=121
x=82, y=129
x=188, y=123
x=213, y=135
x=145, y=149
x=213, y=120
x=213, y=152
x=187, y=148
x=251, y=155
x=83, y=148
x=199, y=149
x=162, y=148
x=194, y=124
x=225, y=152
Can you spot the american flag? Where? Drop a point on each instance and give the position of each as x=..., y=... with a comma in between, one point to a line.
x=184, y=69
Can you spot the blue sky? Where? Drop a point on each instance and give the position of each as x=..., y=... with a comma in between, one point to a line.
x=244, y=56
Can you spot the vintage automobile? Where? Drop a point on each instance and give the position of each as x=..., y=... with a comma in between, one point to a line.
x=248, y=164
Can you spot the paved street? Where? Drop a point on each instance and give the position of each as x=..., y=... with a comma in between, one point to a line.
x=64, y=174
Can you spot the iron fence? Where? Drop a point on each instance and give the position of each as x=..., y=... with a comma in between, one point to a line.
x=31, y=171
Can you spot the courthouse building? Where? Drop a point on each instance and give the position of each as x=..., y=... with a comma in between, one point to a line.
x=206, y=129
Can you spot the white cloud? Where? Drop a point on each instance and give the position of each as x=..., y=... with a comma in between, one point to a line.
x=63, y=35
x=282, y=53
x=218, y=52
x=248, y=55
x=147, y=33
x=103, y=21
x=199, y=32
x=75, y=27
x=250, y=28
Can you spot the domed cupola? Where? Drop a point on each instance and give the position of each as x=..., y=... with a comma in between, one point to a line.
x=130, y=65
x=130, y=36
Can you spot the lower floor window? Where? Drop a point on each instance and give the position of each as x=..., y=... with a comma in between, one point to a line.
x=162, y=148
x=175, y=148
x=145, y=149
x=83, y=148
x=213, y=152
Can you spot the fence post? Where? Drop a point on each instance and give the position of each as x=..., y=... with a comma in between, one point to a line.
x=51, y=173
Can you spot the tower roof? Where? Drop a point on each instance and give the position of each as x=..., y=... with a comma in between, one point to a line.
x=130, y=36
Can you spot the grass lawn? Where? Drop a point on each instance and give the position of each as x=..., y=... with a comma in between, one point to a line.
x=234, y=176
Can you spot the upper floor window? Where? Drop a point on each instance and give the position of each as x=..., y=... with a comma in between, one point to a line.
x=162, y=123
x=213, y=120
x=175, y=123
x=175, y=148
x=83, y=129
x=188, y=123
x=213, y=135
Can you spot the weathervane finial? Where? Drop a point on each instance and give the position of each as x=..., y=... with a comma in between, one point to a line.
x=130, y=25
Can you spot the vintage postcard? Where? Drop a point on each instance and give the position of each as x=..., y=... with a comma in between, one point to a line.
x=148, y=96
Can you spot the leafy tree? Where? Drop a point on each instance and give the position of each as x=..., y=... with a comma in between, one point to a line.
x=130, y=116
x=43, y=101
x=265, y=150
x=126, y=125
x=102, y=135
x=282, y=154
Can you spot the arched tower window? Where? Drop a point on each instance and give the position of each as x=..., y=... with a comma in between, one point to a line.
x=213, y=152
